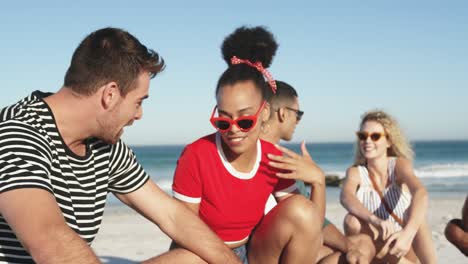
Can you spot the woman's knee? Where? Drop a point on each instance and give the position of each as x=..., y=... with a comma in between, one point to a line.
x=352, y=225
x=301, y=213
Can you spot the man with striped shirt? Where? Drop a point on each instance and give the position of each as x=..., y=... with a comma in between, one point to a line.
x=61, y=154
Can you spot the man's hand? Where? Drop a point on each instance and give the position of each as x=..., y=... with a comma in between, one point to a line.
x=179, y=223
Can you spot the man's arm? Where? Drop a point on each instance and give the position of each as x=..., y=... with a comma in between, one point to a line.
x=332, y=237
x=35, y=218
x=179, y=223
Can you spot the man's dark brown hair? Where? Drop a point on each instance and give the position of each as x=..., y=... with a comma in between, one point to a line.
x=110, y=55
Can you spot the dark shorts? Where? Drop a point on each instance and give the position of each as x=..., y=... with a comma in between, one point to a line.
x=241, y=252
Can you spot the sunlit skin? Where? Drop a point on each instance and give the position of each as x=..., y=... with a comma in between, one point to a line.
x=291, y=120
x=125, y=111
x=241, y=99
x=102, y=115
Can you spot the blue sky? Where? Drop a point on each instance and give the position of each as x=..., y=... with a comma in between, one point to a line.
x=409, y=58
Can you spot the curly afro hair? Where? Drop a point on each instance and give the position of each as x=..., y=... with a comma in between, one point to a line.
x=254, y=44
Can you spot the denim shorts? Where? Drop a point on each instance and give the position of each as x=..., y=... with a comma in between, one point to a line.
x=241, y=252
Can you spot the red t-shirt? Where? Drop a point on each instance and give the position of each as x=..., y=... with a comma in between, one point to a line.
x=231, y=202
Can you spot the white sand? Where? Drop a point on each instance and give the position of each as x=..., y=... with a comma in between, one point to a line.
x=125, y=237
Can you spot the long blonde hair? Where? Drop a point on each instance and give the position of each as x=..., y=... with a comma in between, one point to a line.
x=399, y=145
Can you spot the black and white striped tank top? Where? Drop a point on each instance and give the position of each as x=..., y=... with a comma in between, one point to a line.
x=396, y=198
x=33, y=155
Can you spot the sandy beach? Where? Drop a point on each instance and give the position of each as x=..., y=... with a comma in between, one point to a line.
x=125, y=237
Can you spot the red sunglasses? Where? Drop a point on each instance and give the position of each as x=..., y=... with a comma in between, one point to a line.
x=375, y=136
x=244, y=123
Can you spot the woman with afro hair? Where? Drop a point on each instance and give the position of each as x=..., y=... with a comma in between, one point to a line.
x=226, y=177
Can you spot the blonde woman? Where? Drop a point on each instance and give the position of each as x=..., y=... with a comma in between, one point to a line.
x=384, y=197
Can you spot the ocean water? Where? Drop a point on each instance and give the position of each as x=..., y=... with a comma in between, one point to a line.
x=442, y=166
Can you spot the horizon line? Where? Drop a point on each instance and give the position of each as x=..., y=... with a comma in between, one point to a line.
x=299, y=142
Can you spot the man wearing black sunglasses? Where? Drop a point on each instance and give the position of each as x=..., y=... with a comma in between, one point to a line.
x=285, y=114
x=298, y=112
x=281, y=126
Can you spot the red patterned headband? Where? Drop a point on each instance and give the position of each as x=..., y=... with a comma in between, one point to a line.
x=257, y=65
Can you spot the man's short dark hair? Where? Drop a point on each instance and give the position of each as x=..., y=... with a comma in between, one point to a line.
x=285, y=93
x=110, y=55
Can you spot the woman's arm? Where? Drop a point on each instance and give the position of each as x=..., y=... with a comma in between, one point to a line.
x=348, y=196
x=417, y=210
x=302, y=167
x=400, y=242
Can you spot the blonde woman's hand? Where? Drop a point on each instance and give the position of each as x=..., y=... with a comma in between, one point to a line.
x=299, y=167
x=385, y=228
x=399, y=243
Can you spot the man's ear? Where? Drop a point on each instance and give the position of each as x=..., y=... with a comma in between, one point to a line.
x=266, y=112
x=281, y=114
x=110, y=95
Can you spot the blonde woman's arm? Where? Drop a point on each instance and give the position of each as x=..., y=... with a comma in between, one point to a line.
x=402, y=240
x=419, y=201
x=348, y=196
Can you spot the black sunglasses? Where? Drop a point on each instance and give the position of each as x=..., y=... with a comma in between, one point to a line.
x=298, y=112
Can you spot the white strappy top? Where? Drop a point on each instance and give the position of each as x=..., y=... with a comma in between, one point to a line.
x=396, y=198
